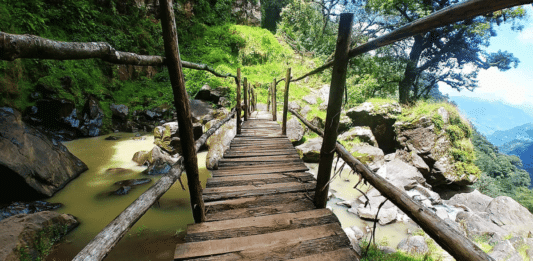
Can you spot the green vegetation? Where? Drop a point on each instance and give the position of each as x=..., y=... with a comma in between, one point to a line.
x=43, y=242
x=501, y=174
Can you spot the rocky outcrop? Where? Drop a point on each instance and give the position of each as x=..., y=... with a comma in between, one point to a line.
x=380, y=119
x=414, y=245
x=310, y=151
x=209, y=95
x=21, y=234
x=219, y=142
x=429, y=150
x=363, y=134
x=371, y=156
x=31, y=162
x=17, y=208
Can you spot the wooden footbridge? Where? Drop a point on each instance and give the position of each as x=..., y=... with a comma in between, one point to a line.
x=261, y=203
x=259, y=206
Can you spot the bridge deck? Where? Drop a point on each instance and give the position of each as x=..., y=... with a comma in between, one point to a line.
x=259, y=206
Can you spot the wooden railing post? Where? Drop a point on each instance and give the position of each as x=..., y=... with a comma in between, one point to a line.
x=238, y=106
x=181, y=102
x=245, y=98
x=274, y=105
x=286, y=102
x=249, y=99
x=269, y=99
x=338, y=80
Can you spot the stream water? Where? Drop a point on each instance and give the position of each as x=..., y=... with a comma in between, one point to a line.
x=89, y=198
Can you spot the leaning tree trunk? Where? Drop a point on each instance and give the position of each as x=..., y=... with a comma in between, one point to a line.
x=410, y=72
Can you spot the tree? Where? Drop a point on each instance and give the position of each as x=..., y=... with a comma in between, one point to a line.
x=270, y=13
x=451, y=54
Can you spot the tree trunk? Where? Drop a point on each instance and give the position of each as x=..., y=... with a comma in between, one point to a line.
x=410, y=73
x=238, y=106
x=338, y=81
x=181, y=102
x=286, y=102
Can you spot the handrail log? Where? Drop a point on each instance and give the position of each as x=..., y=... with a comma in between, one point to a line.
x=451, y=240
x=106, y=240
x=451, y=14
x=15, y=46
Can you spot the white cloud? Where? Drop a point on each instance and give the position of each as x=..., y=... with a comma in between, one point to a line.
x=526, y=36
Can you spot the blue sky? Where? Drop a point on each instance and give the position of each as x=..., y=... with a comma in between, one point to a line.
x=515, y=86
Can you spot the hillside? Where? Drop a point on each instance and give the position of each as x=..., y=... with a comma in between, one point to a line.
x=491, y=116
x=522, y=132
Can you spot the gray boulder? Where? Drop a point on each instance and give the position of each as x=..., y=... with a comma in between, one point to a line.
x=24, y=230
x=414, y=245
x=306, y=109
x=310, y=150
x=504, y=251
x=30, y=162
x=294, y=106
x=311, y=99
x=509, y=214
x=380, y=120
x=402, y=175
x=477, y=224
x=372, y=156
x=219, y=142
x=207, y=94
x=323, y=93
x=295, y=130
x=474, y=200
x=345, y=123
x=364, y=134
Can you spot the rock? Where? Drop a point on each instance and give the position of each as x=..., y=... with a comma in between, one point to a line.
x=159, y=167
x=56, y=117
x=505, y=251
x=219, y=142
x=305, y=110
x=529, y=251
x=93, y=118
x=201, y=108
x=380, y=120
x=420, y=164
x=475, y=225
x=163, y=136
x=387, y=250
x=17, y=208
x=474, y=200
x=318, y=122
x=119, y=111
x=123, y=190
x=117, y=171
x=402, y=175
x=295, y=130
x=372, y=156
x=112, y=138
x=310, y=150
x=354, y=235
x=386, y=215
x=414, y=245
x=509, y=214
x=29, y=161
x=197, y=130
x=207, y=94
x=133, y=182
x=364, y=134
x=141, y=157
x=311, y=99
x=24, y=230
x=323, y=93
x=294, y=106
x=444, y=115
x=345, y=123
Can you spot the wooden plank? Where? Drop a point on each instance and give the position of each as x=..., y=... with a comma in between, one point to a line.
x=220, y=193
x=276, y=239
x=259, y=206
x=343, y=254
x=258, y=225
x=258, y=179
x=255, y=170
x=240, y=154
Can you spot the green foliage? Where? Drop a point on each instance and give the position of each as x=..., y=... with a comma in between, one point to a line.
x=43, y=243
x=374, y=254
x=502, y=175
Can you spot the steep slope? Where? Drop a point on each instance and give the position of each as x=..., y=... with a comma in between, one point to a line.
x=522, y=132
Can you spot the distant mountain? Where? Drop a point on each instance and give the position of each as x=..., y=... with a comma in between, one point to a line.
x=491, y=116
x=524, y=150
x=512, y=136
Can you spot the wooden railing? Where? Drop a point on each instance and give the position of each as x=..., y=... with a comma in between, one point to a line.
x=27, y=46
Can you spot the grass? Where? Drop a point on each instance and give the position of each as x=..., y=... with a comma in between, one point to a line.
x=43, y=242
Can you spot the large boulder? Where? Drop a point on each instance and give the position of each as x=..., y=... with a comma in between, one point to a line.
x=310, y=150
x=510, y=215
x=30, y=162
x=429, y=150
x=363, y=134
x=56, y=117
x=474, y=200
x=295, y=130
x=504, y=251
x=369, y=155
x=20, y=234
x=159, y=162
x=414, y=245
x=207, y=94
x=219, y=142
x=380, y=119
x=311, y=99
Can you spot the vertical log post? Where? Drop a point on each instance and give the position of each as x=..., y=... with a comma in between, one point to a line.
x=338, y=80
x=274, y=105
x=249, y=99
x=286, y=102
x=238, y=82
x=269, y=98
x=245, y=98
x=181, y=102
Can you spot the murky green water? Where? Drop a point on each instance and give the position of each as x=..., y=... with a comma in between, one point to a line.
x=89, y=198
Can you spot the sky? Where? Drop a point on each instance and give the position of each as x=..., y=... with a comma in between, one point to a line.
x=515, y=86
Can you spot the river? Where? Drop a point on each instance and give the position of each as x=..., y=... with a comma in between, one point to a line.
x=156, y=234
